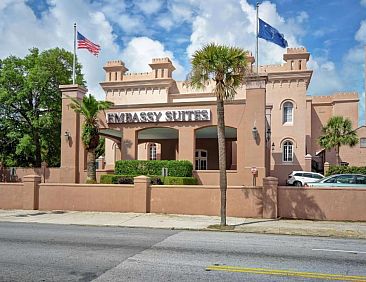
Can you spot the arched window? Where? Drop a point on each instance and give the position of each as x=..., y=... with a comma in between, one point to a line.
x=152, y=152
x=201, y=159
x=287, y=151
x=363, y=142
x=288, y=112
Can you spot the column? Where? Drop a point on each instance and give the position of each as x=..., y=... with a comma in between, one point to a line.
x=141, y=194
x=270, y=202
x=72, y=150
x=31, y=192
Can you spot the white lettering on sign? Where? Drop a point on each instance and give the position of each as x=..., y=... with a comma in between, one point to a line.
x=159, y=116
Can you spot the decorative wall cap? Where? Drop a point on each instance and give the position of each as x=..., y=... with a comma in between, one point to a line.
x=296, y=50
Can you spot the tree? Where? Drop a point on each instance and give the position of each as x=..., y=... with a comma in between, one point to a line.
x=338, y=131
x=30, y=112
x=226, y=67
x=89, y=108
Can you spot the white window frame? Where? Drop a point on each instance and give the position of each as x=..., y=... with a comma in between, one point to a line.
x=200, y=162
x=287, y=116
x=152, y=152
x=362, y=142
x=288, y=151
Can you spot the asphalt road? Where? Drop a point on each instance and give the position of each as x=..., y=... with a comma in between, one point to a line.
x=45, y=252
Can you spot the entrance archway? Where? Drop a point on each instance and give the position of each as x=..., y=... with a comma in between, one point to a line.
x=207, y=153
x=159, y=143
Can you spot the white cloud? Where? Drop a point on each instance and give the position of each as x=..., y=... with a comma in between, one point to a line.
x=165, y=22
x=363, y=3
x=361, y=33
x=55, y=29
x=234, y=23
x=325, y=79
x=140, y=51
x=149, y=6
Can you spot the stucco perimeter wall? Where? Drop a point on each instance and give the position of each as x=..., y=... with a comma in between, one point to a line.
x=51, y=175
x=205, y=200
x=83, y=197
x=11, y=196
x=322, y=203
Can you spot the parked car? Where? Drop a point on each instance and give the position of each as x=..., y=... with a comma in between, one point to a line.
x=340, y=180
x=299, y=178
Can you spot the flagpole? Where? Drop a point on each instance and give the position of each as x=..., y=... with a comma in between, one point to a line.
x=74, y=58
x=257, y=60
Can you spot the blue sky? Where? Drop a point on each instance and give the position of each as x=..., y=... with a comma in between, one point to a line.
x=333, y=31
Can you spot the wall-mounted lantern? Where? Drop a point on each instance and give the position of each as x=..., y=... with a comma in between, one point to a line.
x=255, y=133
x=268, y=134
x=67, y=136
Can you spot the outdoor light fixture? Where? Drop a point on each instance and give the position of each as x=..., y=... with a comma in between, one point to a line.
x=273, y=146
x=67, y=136
x=255, y=132
x=268, y=134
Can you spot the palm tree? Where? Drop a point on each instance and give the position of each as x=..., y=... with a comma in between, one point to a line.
x=89, y=108
x=338, y=131
x=226, y=67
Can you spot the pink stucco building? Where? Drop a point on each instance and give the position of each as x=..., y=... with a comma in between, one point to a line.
x=272, y=125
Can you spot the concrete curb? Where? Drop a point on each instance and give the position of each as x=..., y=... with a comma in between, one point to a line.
x=351, y=230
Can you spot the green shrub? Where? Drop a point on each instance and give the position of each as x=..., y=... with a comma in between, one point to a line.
x=137, y=167
x=127, y=179
x=155, y=180
x=171, y=180
x=91, y=181
x=334, y=169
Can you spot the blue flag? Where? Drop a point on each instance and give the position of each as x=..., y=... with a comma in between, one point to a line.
x=271, y=34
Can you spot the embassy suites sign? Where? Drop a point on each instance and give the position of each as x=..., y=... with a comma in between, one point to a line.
x=159, y=116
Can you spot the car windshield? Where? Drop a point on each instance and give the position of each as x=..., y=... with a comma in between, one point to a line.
x=322, y=179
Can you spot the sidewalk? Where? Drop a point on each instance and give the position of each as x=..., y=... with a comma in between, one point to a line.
x=355, y=230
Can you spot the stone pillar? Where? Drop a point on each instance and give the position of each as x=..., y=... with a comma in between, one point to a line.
x=326, y=167
x=308, y=159
x=141, y=194
x=187, y=144
x=31, y=192
x=270, y=200
x=72, y=150
x=252, y=146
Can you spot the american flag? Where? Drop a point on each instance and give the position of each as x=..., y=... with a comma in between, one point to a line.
x=84, y=43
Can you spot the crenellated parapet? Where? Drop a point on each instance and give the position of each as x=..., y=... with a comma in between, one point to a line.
x=335, y=98
x=116, y=71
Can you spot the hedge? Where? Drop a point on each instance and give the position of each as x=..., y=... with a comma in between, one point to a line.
x=171, y=180
x=155, y=180
x=127, y=179
x=333, y=169
x=138, y=167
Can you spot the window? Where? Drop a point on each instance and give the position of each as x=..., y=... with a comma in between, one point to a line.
x=201, y=159
x=287, y=151
x=152, y=152
x=317, y=176
x=287, y=112
x=363, y=142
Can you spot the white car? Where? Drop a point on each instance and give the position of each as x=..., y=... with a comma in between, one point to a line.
x=299, y=178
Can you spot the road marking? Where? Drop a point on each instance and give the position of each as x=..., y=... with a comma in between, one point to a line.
x=264, y=271
x=341, y=251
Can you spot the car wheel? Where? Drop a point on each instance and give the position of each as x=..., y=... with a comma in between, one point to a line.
x=298, y=183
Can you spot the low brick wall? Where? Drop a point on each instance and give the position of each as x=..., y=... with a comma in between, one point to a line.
x=322, y=203
x=11, y=195
x=269, y=201
x=205, y=200
x=83, y=197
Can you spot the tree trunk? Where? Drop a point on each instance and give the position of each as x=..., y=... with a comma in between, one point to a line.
x=337, y=154
x=37, y=143
x=222, y=157
x=91, y=167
